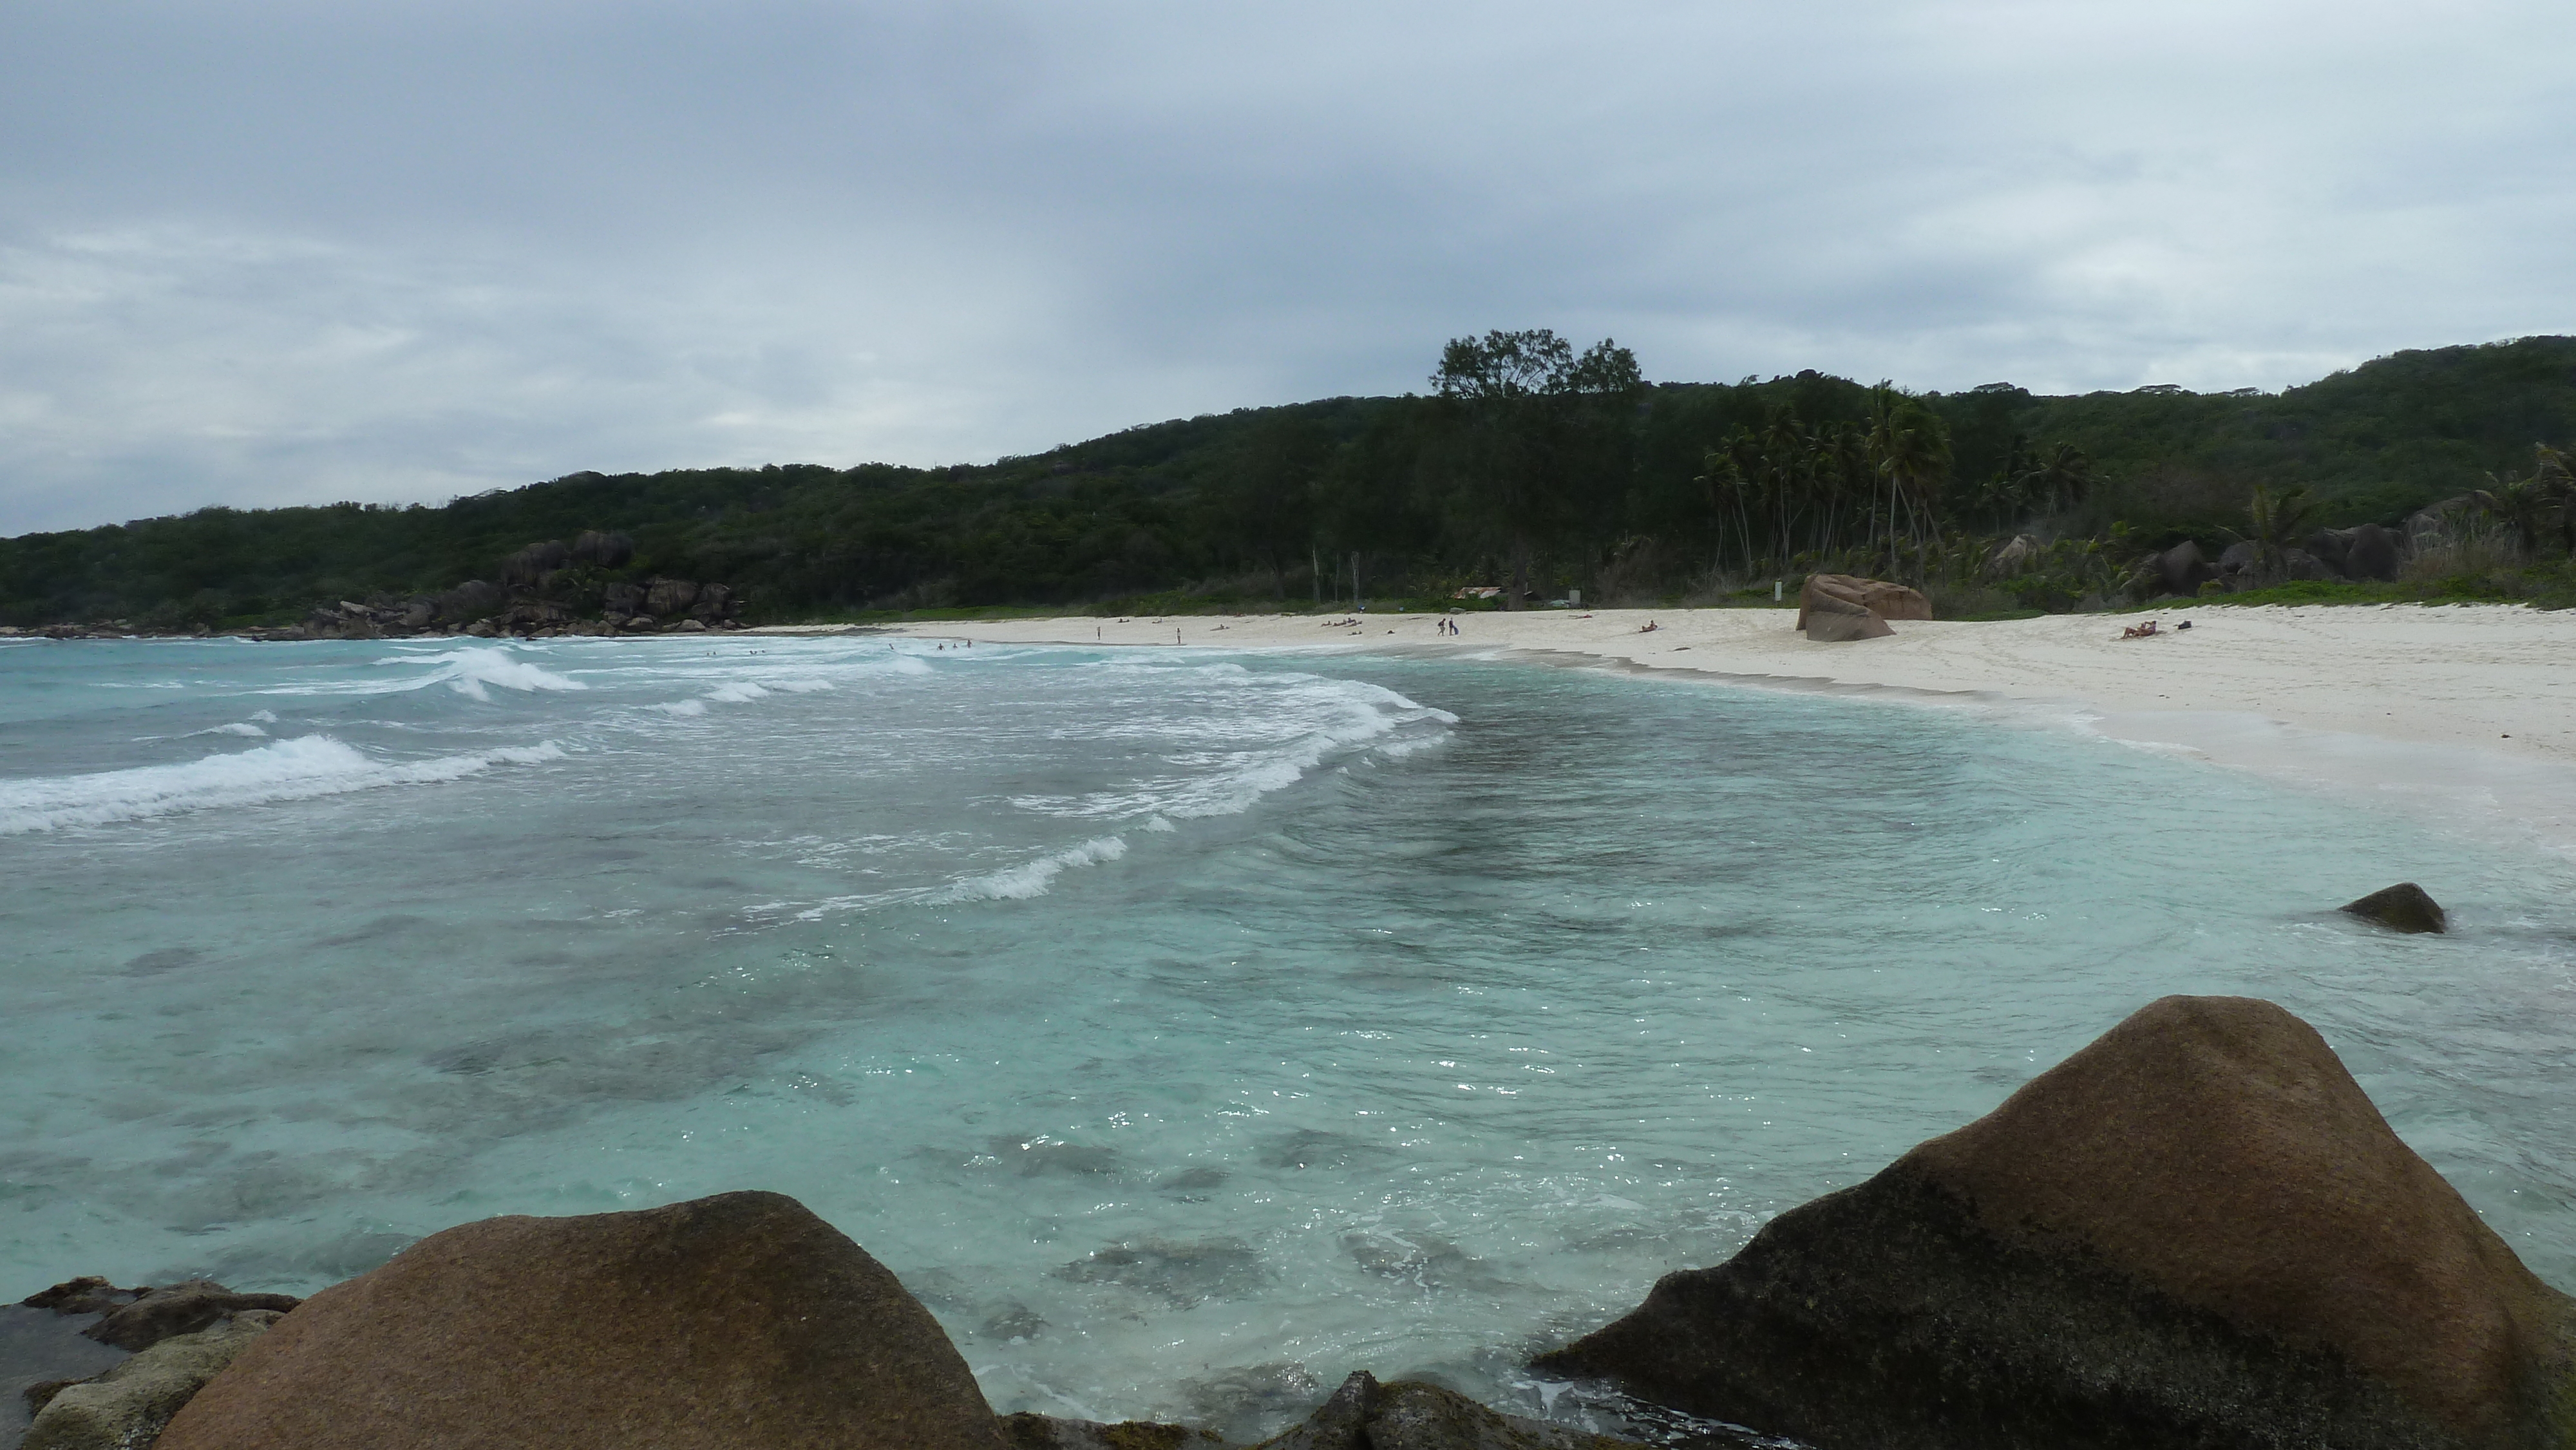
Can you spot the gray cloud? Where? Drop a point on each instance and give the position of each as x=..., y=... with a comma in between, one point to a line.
x=274, y=252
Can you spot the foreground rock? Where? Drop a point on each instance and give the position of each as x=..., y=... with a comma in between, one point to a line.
x=183, y=1308
x=2402, y=907
x=1365, y=1415
x=1025, y=1431
x=1844, y=607
x=740, y=1321
x=127, y=1407
x=2195, y=1232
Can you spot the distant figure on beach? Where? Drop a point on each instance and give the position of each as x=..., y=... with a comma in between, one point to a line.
x=2139, y=631
x=1649, y=627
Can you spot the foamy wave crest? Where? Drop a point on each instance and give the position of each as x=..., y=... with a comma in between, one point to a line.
x=1032, y=878
x=681, y=707
x=1242, y=755
x=289, y=770
x=469, y=672
x=740, y=692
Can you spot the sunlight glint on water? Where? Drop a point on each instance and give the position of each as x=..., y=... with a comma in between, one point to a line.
x=1186, y=1032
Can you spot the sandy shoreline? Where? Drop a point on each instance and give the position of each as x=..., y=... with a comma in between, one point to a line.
x=2336, y=698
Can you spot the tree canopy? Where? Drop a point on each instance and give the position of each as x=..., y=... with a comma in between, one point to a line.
x=1530, y=460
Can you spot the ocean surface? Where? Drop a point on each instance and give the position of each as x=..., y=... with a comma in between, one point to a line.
x=1186, y=1030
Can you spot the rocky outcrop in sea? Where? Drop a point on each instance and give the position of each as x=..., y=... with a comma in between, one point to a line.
x=2197, y=1231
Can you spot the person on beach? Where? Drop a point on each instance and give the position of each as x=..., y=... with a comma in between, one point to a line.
x=1649, y=628
x=2140, y=631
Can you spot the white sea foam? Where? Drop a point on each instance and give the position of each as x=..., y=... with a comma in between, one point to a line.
x=738, y=693
x=1301, y=722
x=288, y=770
x=1032, y=878
x=681, y=707
x=469, y=672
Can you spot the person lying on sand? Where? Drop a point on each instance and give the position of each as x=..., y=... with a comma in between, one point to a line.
x=2139, y=631
x=1649, y=627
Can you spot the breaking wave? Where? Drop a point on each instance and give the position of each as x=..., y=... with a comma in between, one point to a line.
x=469, y=672
x=289, y=770
x=1032, y=878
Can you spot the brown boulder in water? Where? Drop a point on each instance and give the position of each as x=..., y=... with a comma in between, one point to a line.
x=1411, y=1415
x=2196, y=1231
x=2403, y=907
x=738, y=1322
x=182, y=1308
x=1026, y=1431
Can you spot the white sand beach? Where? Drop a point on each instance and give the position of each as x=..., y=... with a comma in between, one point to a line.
x=2337, y=697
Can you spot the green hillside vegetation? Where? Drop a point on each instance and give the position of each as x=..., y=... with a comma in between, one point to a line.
x=1525, y=460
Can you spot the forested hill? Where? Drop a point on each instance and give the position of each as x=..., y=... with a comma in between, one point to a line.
x=1583, y=478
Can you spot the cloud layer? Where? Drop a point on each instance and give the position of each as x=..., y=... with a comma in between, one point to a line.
x=277, y=252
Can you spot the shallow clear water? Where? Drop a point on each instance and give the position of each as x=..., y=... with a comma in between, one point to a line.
x=1186, y=1032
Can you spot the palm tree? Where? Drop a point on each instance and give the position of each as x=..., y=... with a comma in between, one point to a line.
x=2275, y=520
x=2530, y=505
x=1726, y=487
x=2558, y=476
x=2064, y=478
x=1912, y=449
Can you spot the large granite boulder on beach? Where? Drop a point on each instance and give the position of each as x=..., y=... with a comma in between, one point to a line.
x=2403, y=907
x=667, y=597
x=602, y=550
x=2182, y=569
x=528, y=567
x=126, y=1408
x=2328, y=547
x=470, y=600
x=1411, y=1415
x=738, y=1322
x=2373, y=553
x=2195, y=1232
x=1845, y=606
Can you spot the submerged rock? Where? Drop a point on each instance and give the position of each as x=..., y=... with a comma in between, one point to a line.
x=2403, y=907
x=182, y=1308
x=2196, y=1231
x=737, y=1321
x=126, y=1408
x=1410, y=1415
x=1025, y=1431
x=42, y=1349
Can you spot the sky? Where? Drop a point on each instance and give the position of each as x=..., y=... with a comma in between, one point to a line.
x=265, y=252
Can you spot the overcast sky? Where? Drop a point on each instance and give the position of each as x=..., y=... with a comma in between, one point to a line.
x=258, y=253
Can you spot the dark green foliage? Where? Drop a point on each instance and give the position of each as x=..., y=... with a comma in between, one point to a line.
x=1530, y=457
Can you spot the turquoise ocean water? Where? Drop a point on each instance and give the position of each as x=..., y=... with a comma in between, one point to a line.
x=1185, y=1030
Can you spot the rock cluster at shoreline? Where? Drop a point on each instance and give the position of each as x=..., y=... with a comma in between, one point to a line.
x=2197, y=1231
x=545, y=590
